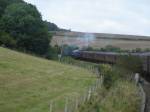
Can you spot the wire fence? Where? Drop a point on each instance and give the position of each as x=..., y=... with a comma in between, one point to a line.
x=92, y=67
x=71, y=104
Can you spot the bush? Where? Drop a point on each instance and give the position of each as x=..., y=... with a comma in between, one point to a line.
x=6, y=40
x=122, y=97
x=110, y=75
x=108, y=48
x=130, y=63
x=111, y=48
x=52, y=53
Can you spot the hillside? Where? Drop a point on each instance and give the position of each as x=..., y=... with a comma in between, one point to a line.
x=28, y=84
x=99, y=40
x=103, y=35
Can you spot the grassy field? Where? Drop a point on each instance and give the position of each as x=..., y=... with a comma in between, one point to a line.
x=28, y=84
x=101, y=42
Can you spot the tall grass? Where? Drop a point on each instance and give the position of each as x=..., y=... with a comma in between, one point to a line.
x=117, y=94
x=122, y=97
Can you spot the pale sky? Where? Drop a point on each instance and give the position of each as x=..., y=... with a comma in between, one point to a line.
x=101, y=16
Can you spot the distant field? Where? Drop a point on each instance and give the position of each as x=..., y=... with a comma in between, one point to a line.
x=28, y=84
x=101, y=42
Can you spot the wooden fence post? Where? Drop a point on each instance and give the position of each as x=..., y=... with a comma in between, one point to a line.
x=66, y=105
x=51, y=106
x=89, y=94
x=76, y=104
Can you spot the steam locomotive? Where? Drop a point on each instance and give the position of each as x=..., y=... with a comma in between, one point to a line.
x=112, y=57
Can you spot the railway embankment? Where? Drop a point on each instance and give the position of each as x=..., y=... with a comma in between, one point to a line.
x=118, y=93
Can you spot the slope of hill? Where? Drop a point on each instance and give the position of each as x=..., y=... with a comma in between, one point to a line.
x=99, y=40
x=102, y=35
x=28, y=84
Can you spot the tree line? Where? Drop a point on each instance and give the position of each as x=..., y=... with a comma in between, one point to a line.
x=22, y=28
x=110, y=48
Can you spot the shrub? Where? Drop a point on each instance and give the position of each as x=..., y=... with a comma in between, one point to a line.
x=130, y=63
x=122, y=97
x=6, y=40
x=110, y=75
x=52, y=53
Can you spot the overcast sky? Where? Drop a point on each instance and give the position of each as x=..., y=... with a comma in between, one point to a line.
x=103, y=16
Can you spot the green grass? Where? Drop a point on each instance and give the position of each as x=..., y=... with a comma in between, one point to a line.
x=122, y=97
x=28, y=84
x=118, y=93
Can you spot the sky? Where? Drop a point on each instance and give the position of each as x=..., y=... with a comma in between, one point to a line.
x=101, y=16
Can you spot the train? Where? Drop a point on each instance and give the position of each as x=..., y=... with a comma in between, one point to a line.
x=112, y=57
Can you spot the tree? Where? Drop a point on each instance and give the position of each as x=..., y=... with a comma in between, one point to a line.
x=5, y=3
x=6, y=40
x=24, y=23
x=52, y=26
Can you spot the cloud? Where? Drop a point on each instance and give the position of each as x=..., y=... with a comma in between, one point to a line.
x=106, y=16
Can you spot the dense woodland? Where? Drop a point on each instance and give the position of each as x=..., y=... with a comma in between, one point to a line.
x=22, y=28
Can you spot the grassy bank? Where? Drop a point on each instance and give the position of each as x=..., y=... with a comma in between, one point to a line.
x=116, y=95
x=28, y=84
x=123, y=97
